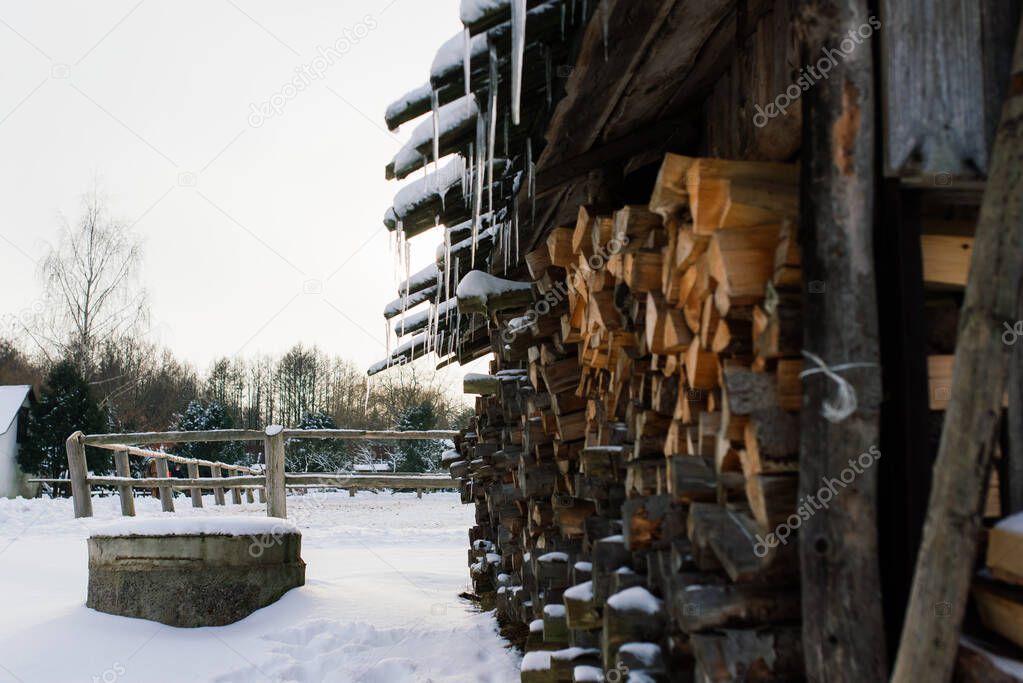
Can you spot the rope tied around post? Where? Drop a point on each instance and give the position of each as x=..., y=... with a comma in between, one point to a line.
x=845, y=402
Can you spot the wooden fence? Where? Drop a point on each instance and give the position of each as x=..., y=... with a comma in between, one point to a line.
x=271, y=482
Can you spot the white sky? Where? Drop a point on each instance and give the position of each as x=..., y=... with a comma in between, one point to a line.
x=255, y=237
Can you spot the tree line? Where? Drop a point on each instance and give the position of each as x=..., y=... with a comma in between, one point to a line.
x=93, y=369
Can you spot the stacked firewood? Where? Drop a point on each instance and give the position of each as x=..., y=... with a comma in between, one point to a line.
x=633, y=458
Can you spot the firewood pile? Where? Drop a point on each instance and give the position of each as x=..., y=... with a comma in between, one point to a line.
x=633, y=457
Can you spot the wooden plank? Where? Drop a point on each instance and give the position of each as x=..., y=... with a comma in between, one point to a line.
x=196, y=491
x=163, y=481
x=960, y=476
x=933, y=88
x=843, y=629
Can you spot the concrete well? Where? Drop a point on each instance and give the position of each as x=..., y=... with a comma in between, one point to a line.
x=193, y=571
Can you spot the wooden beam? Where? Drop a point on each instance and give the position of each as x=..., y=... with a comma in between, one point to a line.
x=843, y=629
x=945, y=565
x=78, y=470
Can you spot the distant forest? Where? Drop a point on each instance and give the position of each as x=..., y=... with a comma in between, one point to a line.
x=84, y=350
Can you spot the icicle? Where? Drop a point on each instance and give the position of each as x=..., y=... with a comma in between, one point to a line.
x=492, y=141
x=606, y=21
x=387, y=336
x=549, y=73
x=516, y=218
x=530, y=181
x=506, y=151
x=477, y=193
x=467, y=63
x=563, y=12
x=472, y=167
x=518, y=20
x=436, y=125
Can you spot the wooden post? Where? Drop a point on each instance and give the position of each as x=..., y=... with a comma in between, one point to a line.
x=843, y=628
x=248, y=495
x=166, y=492
x=236, y=496
x=419, y=493
x=193, y=473
x=78, y=471
x=944, y=568
x=261, y=493
x=218, y=492
x=273, y=451
x=351, y=493
x=126, y=492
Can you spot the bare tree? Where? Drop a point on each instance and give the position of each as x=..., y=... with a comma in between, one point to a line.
x=92, y=293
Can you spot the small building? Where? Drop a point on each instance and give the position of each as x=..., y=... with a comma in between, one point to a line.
x=14, y=403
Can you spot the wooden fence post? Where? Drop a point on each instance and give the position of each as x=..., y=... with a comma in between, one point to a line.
x=78, y=471
x=218, y=491
x=196, y=491
x=236, y=495
x=248, y=495
x=166, y=492
x=126, y=492
x=273, y=450
x=261, y=492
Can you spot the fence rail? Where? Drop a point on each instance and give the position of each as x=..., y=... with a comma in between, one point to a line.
x=272, y=482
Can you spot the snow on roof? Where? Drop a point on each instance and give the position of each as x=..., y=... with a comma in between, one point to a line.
x=472, y=11
x=450, y=117
x=236, y=525
x=436, y=184
x=414, y=95
x=451, y=55
x=12, y=398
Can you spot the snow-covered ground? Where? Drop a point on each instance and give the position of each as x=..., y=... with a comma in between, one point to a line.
x=380, y=604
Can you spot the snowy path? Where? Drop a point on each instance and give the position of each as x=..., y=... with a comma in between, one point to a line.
x=380, y=602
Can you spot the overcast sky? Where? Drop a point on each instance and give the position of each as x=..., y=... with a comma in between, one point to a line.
x=260, y=229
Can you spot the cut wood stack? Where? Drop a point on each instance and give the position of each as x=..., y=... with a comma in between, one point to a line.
x=635, y=447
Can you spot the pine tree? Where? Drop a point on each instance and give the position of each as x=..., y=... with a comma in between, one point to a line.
x=198, y=417
x=66, y=406
x=418, y=456
x=316, y=455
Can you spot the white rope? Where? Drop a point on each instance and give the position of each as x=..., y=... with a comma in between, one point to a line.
x=845, y=403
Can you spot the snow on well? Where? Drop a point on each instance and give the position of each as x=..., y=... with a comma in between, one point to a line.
x=380, y=604
x=635, y=599
x=220, y=525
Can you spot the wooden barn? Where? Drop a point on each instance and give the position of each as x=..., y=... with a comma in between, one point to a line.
x=749, y=274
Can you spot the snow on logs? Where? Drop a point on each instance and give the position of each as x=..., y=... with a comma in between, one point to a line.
x=481, y=292
x=637, y=480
